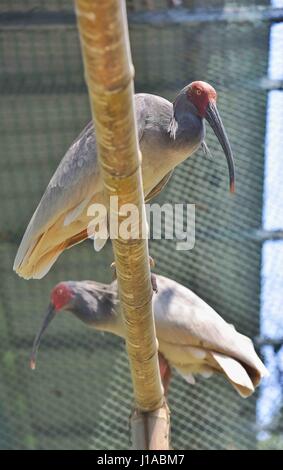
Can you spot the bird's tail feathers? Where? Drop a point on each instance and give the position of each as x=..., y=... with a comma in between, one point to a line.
x=35, y=264
x=26, y=246
x=236, y=373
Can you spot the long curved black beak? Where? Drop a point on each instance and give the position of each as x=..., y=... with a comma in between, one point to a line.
x=50, y=314
x=213, y=118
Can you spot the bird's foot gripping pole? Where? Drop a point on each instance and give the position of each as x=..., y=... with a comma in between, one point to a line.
x=153, y=277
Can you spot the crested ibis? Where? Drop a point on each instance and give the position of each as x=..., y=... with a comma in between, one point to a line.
x=192, y=337
x=168, y=134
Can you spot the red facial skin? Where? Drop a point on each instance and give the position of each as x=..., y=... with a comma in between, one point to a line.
x=61, y=296
x=200, y=94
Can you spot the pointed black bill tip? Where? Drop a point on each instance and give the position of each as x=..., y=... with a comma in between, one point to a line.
x=50, y=314
x=213, y=118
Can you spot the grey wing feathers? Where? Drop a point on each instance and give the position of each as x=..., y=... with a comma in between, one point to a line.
x=73, y=184
x=68, y=184
x=159, y=187
x=190, y=317
x=77, y=159
x=141, y=110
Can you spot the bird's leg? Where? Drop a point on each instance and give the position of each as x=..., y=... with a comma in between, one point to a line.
x=165, y=372
x=154, y=283
x=206, y=151
x=113, y=269
x=153, y=277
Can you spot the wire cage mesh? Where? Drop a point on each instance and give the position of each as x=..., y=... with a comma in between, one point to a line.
x=80, y=396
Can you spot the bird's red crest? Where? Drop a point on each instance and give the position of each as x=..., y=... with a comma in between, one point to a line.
x=61, y=295
x=200, y=94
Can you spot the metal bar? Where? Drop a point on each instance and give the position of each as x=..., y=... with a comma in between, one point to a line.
x=175, y=16
x=259, y=235
x=270, y=84
x=188, y=17
x=262, y=235
x=25, y=83
x=263, y=341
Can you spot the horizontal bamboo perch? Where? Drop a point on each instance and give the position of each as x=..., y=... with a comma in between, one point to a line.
x=109, y=75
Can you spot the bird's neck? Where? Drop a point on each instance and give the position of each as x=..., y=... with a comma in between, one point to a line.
x=111, y=319
x=185, y=122
x=101, y=311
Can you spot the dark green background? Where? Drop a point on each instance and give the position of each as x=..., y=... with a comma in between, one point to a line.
x=80, y=395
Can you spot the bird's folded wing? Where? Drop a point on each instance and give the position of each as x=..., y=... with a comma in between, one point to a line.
x=159, y=187
x=183, y=318
x=67, y=190
x=72, y=187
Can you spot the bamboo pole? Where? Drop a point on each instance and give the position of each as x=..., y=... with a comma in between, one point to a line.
x=109, y=75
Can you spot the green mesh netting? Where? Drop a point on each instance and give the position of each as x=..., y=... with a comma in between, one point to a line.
x=80, y=395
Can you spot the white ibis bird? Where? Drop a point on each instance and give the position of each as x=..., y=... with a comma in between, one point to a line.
x=168, y=134
x=192, y=337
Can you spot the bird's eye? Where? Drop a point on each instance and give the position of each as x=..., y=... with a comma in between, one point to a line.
x=198, y=91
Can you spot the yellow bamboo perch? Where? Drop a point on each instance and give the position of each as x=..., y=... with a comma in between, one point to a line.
x=109, y=75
